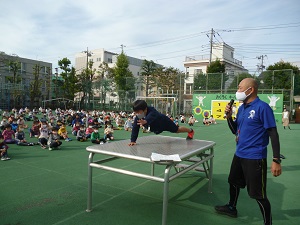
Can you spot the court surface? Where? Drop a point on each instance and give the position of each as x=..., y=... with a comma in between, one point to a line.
x=42, y=187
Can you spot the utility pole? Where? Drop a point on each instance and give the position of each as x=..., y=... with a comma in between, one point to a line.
x=122, y=47
x=87, y=73
x=211, y=43
x=261, y=67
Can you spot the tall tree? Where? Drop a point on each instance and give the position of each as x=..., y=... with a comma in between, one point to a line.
x=14, y=66
x=35, y=86
x=278, y=76
x=70, y=84
x=124, y=78
x=238, y=79
x=103, y=84
x=148, y=73
x=167, y=78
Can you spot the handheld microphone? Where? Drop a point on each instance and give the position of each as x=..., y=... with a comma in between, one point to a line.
x=230, y=104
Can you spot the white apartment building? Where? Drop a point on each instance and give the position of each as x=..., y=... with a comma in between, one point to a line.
x=198, y=64
x=101, y=55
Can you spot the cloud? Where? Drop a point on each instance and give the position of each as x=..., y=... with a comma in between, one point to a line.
x=49, y=30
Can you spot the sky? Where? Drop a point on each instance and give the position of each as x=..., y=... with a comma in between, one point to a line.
x=163, y=31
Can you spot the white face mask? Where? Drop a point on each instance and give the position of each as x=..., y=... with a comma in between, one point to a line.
x=241, y=96
x=96, y=131
x=140, y=116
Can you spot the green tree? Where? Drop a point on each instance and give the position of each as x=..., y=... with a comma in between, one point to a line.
x=214, y=79
x=148, y=73
x=168, y=78
x=238, y=79
x=103, y=84
x=14, y=66
x=124, y=79
x=35, y=86
x=216, y=67
x=70, y=84
x=278, y=76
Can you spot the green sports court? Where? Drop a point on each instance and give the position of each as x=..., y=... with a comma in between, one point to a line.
x=42, y=187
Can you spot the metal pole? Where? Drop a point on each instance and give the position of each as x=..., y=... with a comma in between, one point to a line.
x=90, y=170
x=292, y=91
x=166, y=194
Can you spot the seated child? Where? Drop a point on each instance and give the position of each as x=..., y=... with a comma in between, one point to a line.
x=3, y=149
x=21, y=122
x=35, y=129
x=81, y=136
x=53, y=140
x=63, y=133
x=3, y=123
x=191, y=120
x=95, y=137
x=108, y=132
x=149, y=116
x=14, y=125
x=44, y=135
x=52, y=123
x=20, y=137
x=89, y=130
x=128, y=124
x=9, y=135
x=119, y=121
x=76, y=128
x=176, y=121
x=206, y=121
x=212, y=120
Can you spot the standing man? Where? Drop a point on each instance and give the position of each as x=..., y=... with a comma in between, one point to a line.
x=254, y=125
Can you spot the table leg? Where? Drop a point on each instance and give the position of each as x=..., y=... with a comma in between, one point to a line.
x=211, y=170
x=90, y=179
x=166, y=194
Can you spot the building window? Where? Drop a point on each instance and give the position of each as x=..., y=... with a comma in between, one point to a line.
x=231, y=54
x=198, y=71
x=109, y=60
x=189, y=88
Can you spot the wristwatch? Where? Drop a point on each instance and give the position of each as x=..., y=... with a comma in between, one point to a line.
x=278, y=161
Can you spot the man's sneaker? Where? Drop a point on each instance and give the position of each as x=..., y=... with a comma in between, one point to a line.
x=190, y=135
x=44, y=147
x=7, y=158
x=50, y=149
x=226, y=210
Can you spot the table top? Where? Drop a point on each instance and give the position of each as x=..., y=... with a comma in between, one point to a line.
x=154, y=143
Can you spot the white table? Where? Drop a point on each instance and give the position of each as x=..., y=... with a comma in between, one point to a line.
x=192, y=153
